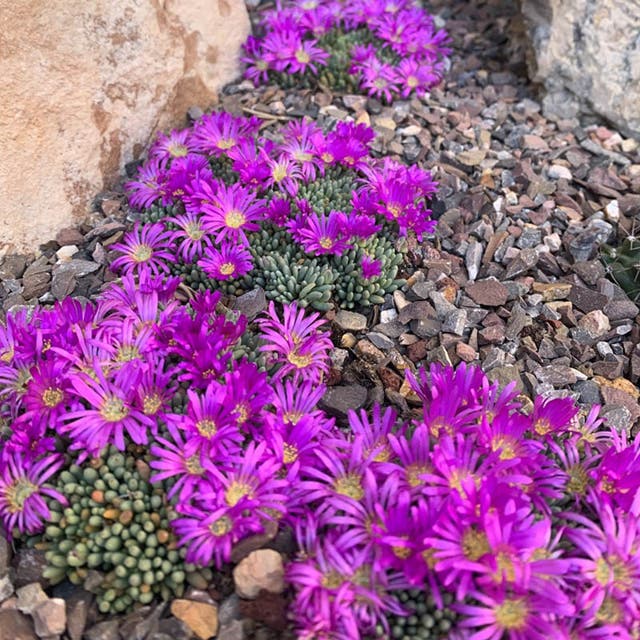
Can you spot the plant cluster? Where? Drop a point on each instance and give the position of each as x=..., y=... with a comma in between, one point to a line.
x=388, y=49
x=530, y=524
x=132, y=417
x=311, y=218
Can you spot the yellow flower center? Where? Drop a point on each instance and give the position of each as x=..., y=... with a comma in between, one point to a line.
x=326, y=242
x=241, y=412
x=475, y=544
x=290, y=453
x=142, y=253
x=52, y=397
x=333, y=580
x=302, y=156
x=127, y=353
x=236, y=491
x=394, y=209
x=299, y=360
x=578, y=480
x=194, y=231
x=151, y=404
x=302, y=56
x=504, y=568
x=227, y=268
x=542, y=426
x=226, y=143
x=507, y=447
x=612, y=569
x=327, y=157
x=349, y=485
x=7, y=356
x=412, y=82
x=192, y=463
x=292, y=417
x=413, y=473
x=178, y=150
x=18, y=493
x=221, y=526
x=279, y=172
x=512, y=614
x=206, y=428
x=113, y=409
x=234, y=219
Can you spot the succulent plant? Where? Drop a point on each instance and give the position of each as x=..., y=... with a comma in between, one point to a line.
x=623, y=265
x=426, y=622
x=115, y=534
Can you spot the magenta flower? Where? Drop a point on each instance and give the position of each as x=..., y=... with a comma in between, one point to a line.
x=298, y=346
x=416, y=75
x=209, y=530
x=257, y=69
x=228, y=262
x=146, y=247
x=22, y=492
x=175, y=145
x=552, y=416
x=190, y=235
x=110, y=416
x=320, y=234
x=150, y=186
x=180, y=458
x=233, y=212
x=209, y=421
x=371, y=268
x=521, y=616
x=220, y=131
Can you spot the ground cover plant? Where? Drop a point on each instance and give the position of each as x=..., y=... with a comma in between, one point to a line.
x=309, y=217
x=387, y=49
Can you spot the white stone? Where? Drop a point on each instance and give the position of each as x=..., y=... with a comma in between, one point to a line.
x=557, y=171
x=261, y=569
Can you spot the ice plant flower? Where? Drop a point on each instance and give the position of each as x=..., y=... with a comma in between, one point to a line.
x=146, y=247
x=230, y=261
x=22, y=492
x=299, y=347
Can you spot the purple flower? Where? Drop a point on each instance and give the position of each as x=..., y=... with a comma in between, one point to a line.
x=320, y=234
x=233, y=212
x=146, y=247
x=111, y=413
x=151, y=184
x=371, y=268
x=175, y=145
x=218, y=132
x=299, y=347
x=22, y=491
x=191, y=237
x=230, y=261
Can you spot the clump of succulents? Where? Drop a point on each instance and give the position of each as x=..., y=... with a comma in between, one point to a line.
x=623, y=265
x=423, y=619
x=387, y=49
x=312, y=218
x=166, y=425
x=114, y=534
x=506, y=524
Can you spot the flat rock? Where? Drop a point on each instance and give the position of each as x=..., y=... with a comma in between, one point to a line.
x=252, y=303
x=349, y=321
x=200, y=617
x=488, y=293
x=107, y=630
x=16, y=626
x=337, y=401
x=262, y=569
x=506, y=374
x=30, y=597
x=587, y=299
x=50, y=617
x=6, y=588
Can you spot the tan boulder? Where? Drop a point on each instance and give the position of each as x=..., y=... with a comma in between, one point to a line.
x=586, y=54
x=86, y=84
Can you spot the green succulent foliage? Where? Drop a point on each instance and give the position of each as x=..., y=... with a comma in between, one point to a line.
x=335, y=74
x=623, y=265
x=425, y=622
x=115, y=534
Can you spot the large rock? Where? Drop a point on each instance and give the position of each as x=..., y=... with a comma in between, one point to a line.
x=586, y=54
x=84, y=86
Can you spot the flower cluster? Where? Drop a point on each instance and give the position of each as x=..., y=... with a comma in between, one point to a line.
x=531, y=522
x=387, y=49
x=83, y=378
x=301, y=218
